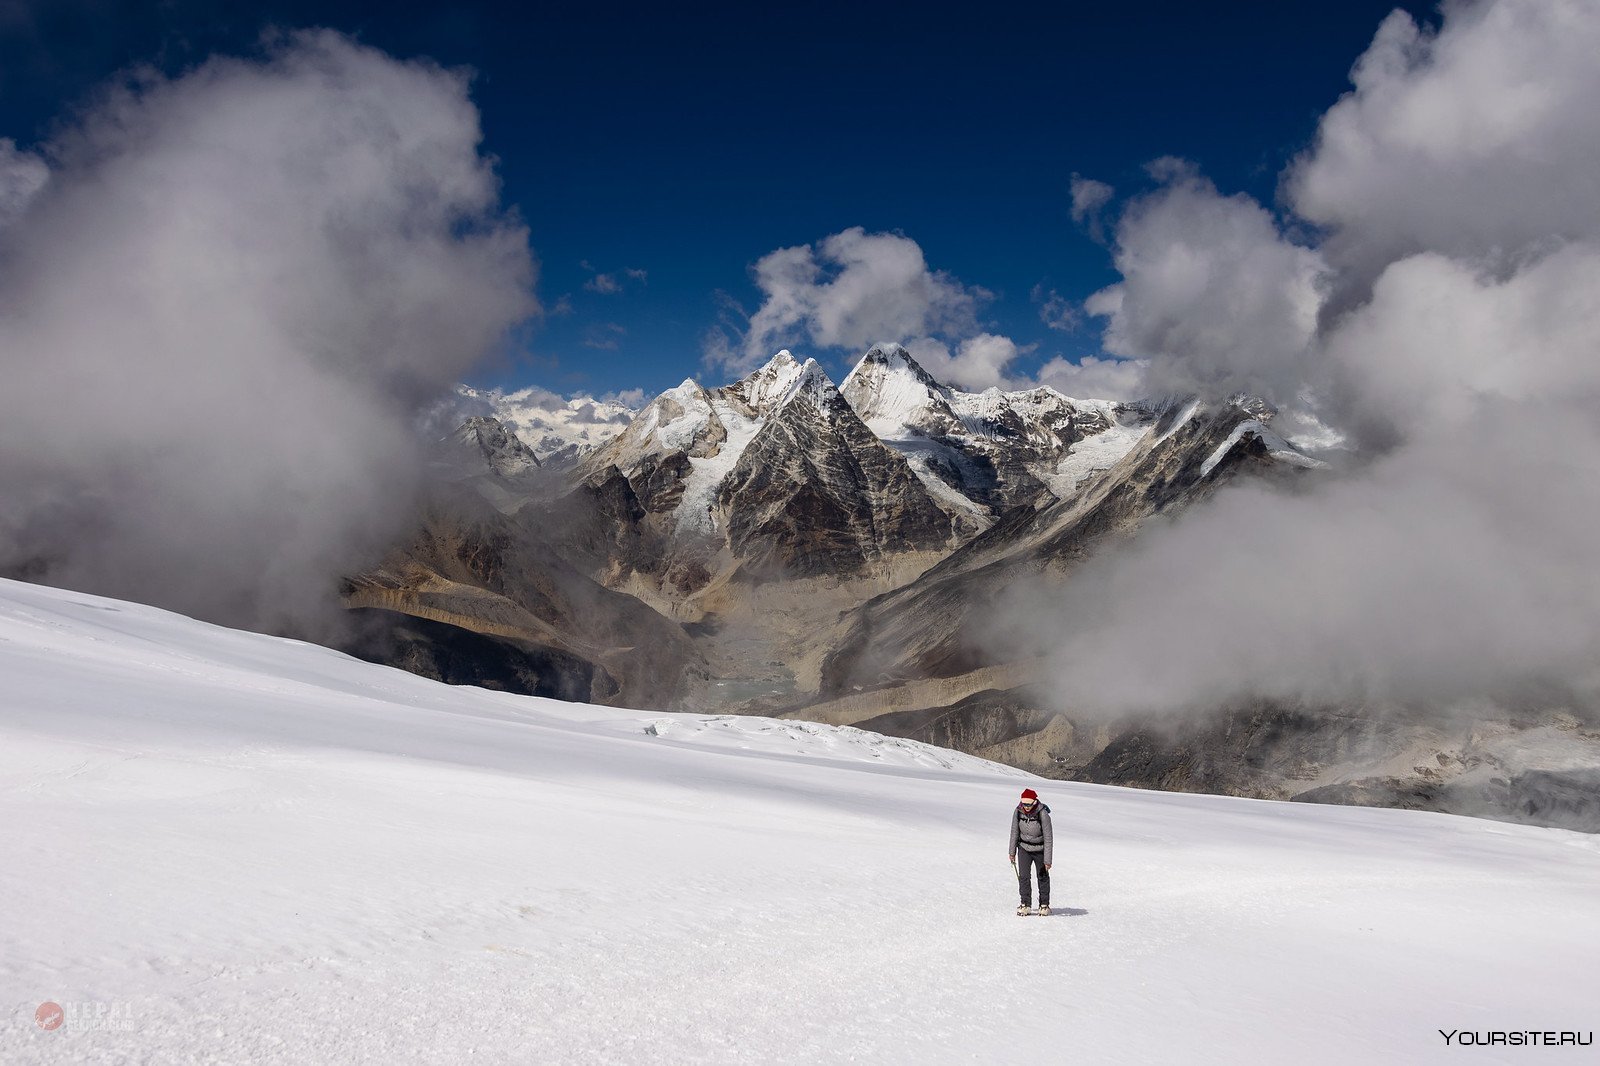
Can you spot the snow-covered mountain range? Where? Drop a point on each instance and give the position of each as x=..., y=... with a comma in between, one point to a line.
x=974, y=455
x=982, y=453
x=228, y=847
x=781, y=545
x=559, y=430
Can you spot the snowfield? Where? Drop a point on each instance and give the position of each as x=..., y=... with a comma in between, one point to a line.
x=220, y=846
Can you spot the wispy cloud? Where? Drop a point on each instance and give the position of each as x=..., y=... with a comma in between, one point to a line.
x=606, y=337
x=22, y=175
x=1055, y=310
x=1090, y=199
x=609, y=284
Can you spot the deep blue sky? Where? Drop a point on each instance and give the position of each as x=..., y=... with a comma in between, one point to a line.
x=689, y=143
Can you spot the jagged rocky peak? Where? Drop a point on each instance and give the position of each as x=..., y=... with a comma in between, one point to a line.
x=982, y=453
x=812, y=386
x=884, y=359
x=761, y=391
x=682, y=419
x=1256, y=407
x=486, y=438
x=896, y=396
x=1254, y=431
x=816, y=493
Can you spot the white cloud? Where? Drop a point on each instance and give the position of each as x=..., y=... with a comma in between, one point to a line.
x=633, y=399
x=848, y=291
x=855, y=289
x=222, y=312
x=977, y=363
x=1475, y=140
x=1441, y=345
x=1095, y=378
x=1089, y=196
x=1213, y=295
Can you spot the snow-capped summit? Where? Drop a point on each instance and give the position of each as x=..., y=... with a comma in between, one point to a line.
x=762, y=390
x=680, y=420
x=893, y=394
x=812, y=386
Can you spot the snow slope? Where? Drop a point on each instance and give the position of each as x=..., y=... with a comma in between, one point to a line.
x=706, y=473
x=220, y=846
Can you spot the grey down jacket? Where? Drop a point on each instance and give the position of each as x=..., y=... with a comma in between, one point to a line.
x=1032, y=832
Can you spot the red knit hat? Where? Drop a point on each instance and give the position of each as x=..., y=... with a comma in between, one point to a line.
x=1029, y=794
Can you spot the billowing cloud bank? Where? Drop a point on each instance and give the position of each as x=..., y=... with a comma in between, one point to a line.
x=222, y=299
x=1446, y=313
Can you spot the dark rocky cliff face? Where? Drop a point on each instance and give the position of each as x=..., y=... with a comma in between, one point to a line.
x=460, y=656
x=816, y=493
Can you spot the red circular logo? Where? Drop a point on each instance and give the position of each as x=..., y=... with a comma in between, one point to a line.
x=49, y=1015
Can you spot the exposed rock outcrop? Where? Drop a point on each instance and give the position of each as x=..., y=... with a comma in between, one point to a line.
x=487, y=440
x=816, y=493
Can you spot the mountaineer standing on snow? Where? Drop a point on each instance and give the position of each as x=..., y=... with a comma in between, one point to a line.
x=1033, y=843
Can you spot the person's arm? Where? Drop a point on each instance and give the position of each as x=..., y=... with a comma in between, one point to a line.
x=1011, y=848
x=1049, y=839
